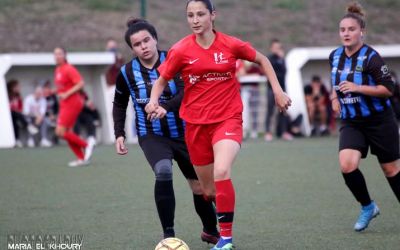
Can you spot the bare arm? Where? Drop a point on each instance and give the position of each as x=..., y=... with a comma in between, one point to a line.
x=282, y=100
x=335, y=102
x=375, y=91
x=77, y=87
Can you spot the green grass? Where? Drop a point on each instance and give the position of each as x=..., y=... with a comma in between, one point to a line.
x=289, y=196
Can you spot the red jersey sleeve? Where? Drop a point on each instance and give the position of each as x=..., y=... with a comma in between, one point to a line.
x=243, y=50
x=74, y=75
x=172, y=64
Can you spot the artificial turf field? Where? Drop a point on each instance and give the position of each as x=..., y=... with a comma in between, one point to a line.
x=290, y=195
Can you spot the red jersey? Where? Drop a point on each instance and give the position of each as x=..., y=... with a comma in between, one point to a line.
x=66, y=76
x=212, y=93
x=16, y=104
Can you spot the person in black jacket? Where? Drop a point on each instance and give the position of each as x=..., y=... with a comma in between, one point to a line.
x=277, y=59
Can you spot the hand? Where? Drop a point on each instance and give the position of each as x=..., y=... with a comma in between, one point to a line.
x=151, y=107
x=348, y=87
x=336, y=106
x=63, y=96
x=120, y=146
x=283, y=101
x=159, y=113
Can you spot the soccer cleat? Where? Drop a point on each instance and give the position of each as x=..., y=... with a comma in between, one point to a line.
x=367, y=213
x=210, y=238
x=223, y=245
x=91, y=142
x=78, y=163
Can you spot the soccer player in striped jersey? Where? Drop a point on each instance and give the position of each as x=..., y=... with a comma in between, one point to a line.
x=362, y=85
x=160, y=139
x=211, y=106
x=69, y=82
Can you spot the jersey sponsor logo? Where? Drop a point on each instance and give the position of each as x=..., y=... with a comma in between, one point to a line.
x=216, y=76
x=350, y=100
x=193, y=61
x=220, y=217
x=219, y=58
x=193, y=79
x=142, y=100
x=359, y=68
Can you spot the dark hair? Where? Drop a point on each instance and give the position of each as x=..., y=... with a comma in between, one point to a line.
x=10, y=86
x=135, y=25
x=316, y=78
x=355, y=10
x=273, y=40
x=207, y=3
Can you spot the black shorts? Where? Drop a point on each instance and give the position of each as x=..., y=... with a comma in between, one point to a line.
x=157, y=148
x=380, y=133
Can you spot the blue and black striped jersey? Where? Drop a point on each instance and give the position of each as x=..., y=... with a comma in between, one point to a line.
x=136, y=81
x=365, y=67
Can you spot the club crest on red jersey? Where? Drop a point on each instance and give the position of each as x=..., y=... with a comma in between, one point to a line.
x=219, y=58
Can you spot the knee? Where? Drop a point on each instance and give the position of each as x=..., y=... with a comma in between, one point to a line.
x=390, y=170
x=221, y=174
x=195, y=186
x=209, y=194
x=348, y=166
x=163, y=170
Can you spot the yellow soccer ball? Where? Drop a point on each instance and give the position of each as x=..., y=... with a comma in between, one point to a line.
x=172, y=244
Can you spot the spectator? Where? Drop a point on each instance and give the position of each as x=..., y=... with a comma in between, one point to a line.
x=317, y=99
x=88, y=119
x=113, y=70
x=16, y=105
x=52, y=106
x=112, y=45
x=35, y=111
x=277, y=59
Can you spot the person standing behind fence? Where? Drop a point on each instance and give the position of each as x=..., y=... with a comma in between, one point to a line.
x=69, y=82
x=362, y=85
x=277, y=59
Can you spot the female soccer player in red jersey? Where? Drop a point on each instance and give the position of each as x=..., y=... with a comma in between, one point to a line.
x=68, y=82
x=362, y=86
x=211, y=105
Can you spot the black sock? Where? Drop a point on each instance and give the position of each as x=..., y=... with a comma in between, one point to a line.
x=165, y=202
x=356, y=183
x=395, y=184
x=206, y=212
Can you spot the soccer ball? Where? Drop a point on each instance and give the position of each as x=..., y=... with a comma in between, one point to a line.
x=172, y=244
